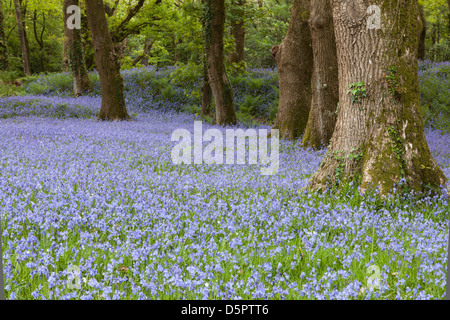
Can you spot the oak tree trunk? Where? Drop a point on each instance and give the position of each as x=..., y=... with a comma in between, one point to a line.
x=111, y=82
x=81, y=82
x=23, y=41
x=325, y=82
x=220, y=86
x=3, y=47
x=294, y=58
x=238, y=31
x=379, y=135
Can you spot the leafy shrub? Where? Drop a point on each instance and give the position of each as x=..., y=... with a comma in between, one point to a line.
x=186, y=73
x=7, y=90
x=439, y=51
x=434, y=79
x=54, y=83
x=251, y=105
x=9, y=77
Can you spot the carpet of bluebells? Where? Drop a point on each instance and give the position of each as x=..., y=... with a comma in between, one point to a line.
x=105, y=197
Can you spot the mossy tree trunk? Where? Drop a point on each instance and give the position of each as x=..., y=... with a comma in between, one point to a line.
x=294, y=58
x=379, y=135
x=237, y=31
x=325, y=83
x=220, y=86
x=206, y=87
x=3, y=47
x=81, y=82
x=111, y=82
x=23, y=40
x=206, y=92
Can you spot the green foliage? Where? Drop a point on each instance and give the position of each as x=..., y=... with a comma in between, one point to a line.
x=358, y=91
x=342, y=158
x=186, y=74
x=273, y=109
x=10, y=85
x=8, y=77
x=236, y=68
x=51, y=83
x=8, y=90
x=267, y=27
x=393, y=85
x=439, y=51
x=435, y=95
x=192, y=108
x=397, y=148
x=250, y=105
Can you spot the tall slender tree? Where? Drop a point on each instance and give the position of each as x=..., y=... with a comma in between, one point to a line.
x=4, y=63
x=40, y=38
x=111, y=82
x=220, y=86
x=206, y=87
x=81, y=82
x=23, y=39
x=294, y=58
x=379, y=136
x=325, y=82
x=237, y=31
x=423, y=34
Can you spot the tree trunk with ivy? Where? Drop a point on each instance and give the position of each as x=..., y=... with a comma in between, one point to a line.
x=81, y=82
x=220, y=86
x=237, y=31
x=325, y=83
x=23, y=40
x=111, y=82
x=294, y=58
x=379, y=136
x=3, y=47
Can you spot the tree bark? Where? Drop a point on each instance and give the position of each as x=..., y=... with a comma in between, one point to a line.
x=4, y=63
x=23, y=41
x=294, y=58
x=379, y=140
x=238, y=31
x=325, y=82
x=111, y=82
x=220, y=86
x=75, y=56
